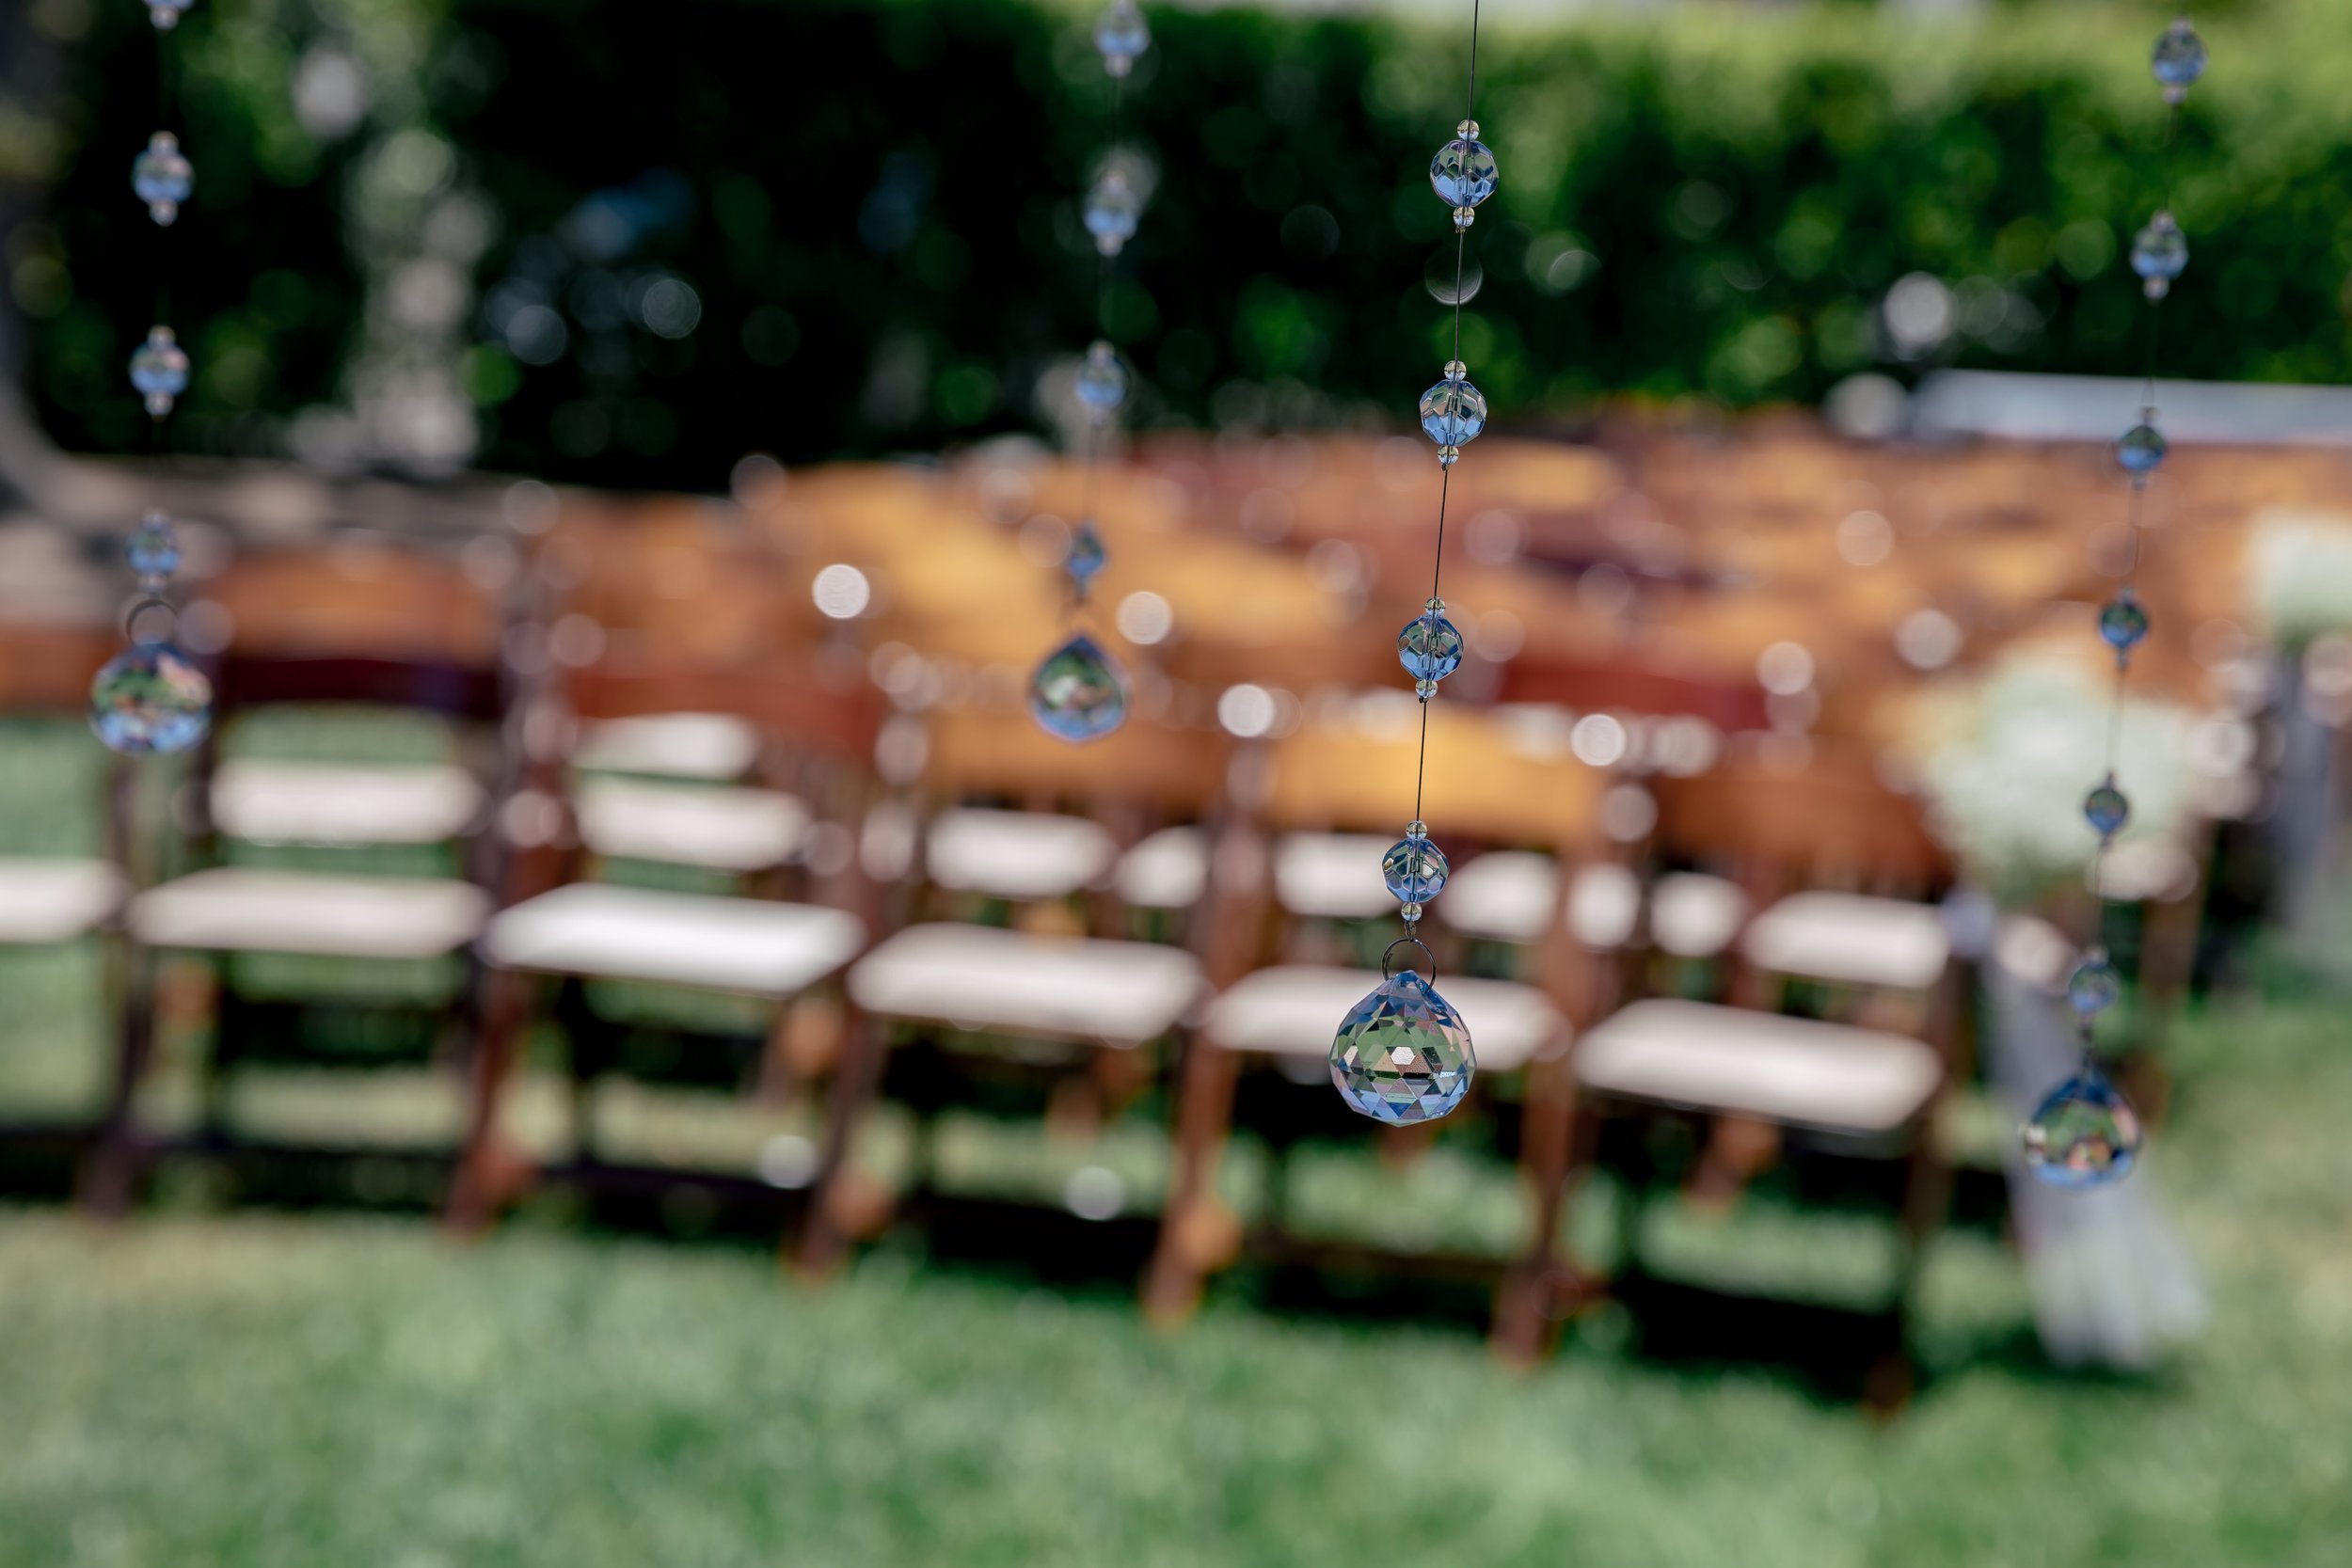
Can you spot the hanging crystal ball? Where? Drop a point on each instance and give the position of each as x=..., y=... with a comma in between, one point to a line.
x=1077, y=692
x=1102, y=380
x=1453, y=411
x=2094, y=986
x=2084, y=1133
x=150, y=698
x=2123, y=622
x=153, y=547
x=159, y=368
x=1085, y=558
x=161, y=177
x=2106, y=809
x=1414, y=868
x=2178, y=59
x=1401, y=1055
x=1119, y=36
x=1429, y=647
x=166, y=14
x=1114, y=209
x=1463, y=173
x=2140, y=451
x=2159, y=255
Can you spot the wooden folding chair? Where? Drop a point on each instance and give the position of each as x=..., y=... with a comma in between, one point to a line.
x=1865, y=1079
x=1357, y=775
x=1088, y=1007
x=563, y=934
x=292, y=856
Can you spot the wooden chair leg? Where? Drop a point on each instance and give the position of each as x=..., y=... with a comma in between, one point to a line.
x=488, y=1172
x=824, y=1240
x=110, y=1170
x=1560, y=1139
x=1192, y=1227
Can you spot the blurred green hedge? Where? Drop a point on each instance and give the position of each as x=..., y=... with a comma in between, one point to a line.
x=875, y=207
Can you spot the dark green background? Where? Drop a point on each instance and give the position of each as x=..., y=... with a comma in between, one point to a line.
x=887, y=190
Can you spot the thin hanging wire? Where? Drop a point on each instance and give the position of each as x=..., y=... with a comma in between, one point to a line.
x=2134, y=523
x=1445, y=474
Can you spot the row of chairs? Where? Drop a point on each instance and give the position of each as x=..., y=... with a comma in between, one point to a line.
x=924, y=906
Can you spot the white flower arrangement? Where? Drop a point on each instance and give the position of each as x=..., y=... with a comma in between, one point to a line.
x=2298, y=574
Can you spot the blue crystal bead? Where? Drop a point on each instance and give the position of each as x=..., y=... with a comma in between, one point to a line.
x=2094, y=986
x=2083, y=1134
x=150, y=698
x=1463, y=172
x=1402, y=1054
x=1102, y=380
x=1077, y=692
x=1085, y=558
x=2140, y=451
x=1429, y=647
x=1453, y=411
x=2106, y=809
x=153, y=547
x=2159, y=254
x=2178, y=59
x=1119, y=36
x=1415, y=869
x=159, y=368
x=161, y=177
x=2123, y=622
x=1114, y=210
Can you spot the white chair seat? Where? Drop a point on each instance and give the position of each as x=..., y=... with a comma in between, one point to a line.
x=1333, y=875
x=1166, y=870
x=1016, y=854
x=55, y=900
x=1700, y=1057
x=1073, y=988
x=1850, y=939
x=1507, y=896
x=717, y=747
x=1294, y=1010
x=331, y=804
x=234, y=909
x=749, y=945
x=723, y=827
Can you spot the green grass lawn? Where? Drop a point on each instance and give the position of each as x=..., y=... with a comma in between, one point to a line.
x=261, y=1390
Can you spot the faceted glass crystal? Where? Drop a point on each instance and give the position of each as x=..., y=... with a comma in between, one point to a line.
x=2123, y=622
x=2094, y=986
x=2160, y=253
x=153, y=547
x=159, y=368
x=1452, y=412
x=1077, y=692
x=1463, y=172
x=2178, y=59
x=1429, y=647
x=161, y=177
x=1102, y=380
x=149, y=697
x=1415, y=869
x=1401, y=1055
x=2107, y=810
x=2084, y=1133
x=1085, y=558
x=1119, y=36
x=2140, y=449
x=1113, y=210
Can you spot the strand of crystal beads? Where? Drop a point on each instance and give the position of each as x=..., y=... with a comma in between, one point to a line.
x=2085, y=1133
x=1078, y=692
x=1402, y=1053
x=151, y=697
